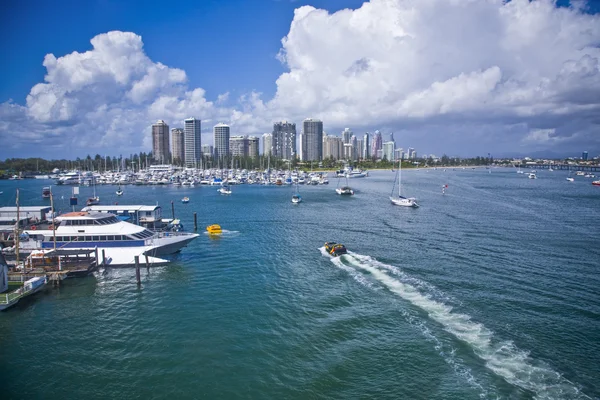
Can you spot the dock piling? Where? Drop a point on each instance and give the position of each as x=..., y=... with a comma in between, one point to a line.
x=103, y=258
x=172, y=210
x=195, y=222
x=147, y=264
x=137, y=270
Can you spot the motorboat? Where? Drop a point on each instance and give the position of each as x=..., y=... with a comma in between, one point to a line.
x=532, y=175
x=596, y=183
x=46, y=192
x=570, y=179
x=224, y=189
x=185, y=200
x=104, y=231
x=345, y=191
x=335, y=249
x=296, y=198
x=214, y=229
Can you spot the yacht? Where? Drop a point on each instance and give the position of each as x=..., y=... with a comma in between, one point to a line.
x=224, y=190
x=532, y=175
x=104, y=231
x=345, y=191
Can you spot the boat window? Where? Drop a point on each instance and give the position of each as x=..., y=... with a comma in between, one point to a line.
x=67, y=223
x=110, y=237
x=95, y=238
x=88, y=238
x=138, y=236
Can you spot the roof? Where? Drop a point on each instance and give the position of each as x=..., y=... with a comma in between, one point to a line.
x=26, y=209
x=121, y=208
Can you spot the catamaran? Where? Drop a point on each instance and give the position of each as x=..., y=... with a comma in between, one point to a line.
x=401, y=200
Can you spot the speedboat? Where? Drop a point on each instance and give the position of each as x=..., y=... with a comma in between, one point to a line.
x=345, y=190
x=570, y=179
x=214, y=229
x=532, y=175
x=596, y=183
x=46, y=192
x=224, y=190
x=335, y=249
x=296, y=199
x=185, y=200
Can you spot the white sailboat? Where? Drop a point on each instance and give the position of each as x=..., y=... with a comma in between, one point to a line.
x=92, y=201
x=119, y=191
x=296, y=198
x=401, y=200
x=344, y=190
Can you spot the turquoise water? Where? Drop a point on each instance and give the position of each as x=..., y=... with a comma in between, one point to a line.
x=489, y=291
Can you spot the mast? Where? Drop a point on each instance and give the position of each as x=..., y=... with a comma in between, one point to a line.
x=53, y=226
x=400, y=178
x=17, y=230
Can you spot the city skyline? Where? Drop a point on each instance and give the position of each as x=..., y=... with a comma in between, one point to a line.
x=528, y=86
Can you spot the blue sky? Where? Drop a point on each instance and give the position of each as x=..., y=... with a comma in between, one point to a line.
x=462, y=77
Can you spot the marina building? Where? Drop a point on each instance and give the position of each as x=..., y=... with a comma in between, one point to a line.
x=267, y=143
x=193, y=142
x=238, y=146
x=312, y=140
x=178, y=154
x=253, y=144
x=284, y=140
x=221, y=140
x=160, y=141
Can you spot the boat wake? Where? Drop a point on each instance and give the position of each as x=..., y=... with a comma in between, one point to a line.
x=224, y=232
x=502, y=357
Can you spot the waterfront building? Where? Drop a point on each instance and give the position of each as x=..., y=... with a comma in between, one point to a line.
x=348, y=151
x=177, y=139
x=366, y=150
x=267, y=143
x=221, y=140
x=160, y=141
x=359, y=149
x=584, y=156
x=399, y=152
x=253, y=144
x=312, y=140
x=377, y=145
x=238, y=146
x=346, y=135
x=388, y=151
x=411, y=153
x=193, y=142
x=284, y=140
x=207, y=150
x=333, y=147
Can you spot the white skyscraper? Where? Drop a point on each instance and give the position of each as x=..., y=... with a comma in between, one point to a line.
x=366, y=153
x=221, y=138
x=267, y=142
x=193, y=142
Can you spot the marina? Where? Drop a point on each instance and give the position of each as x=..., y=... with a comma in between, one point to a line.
x=496, y=262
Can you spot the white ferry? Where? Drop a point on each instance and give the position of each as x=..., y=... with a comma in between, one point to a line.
x=120, y=240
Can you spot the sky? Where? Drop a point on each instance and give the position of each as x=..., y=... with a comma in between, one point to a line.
x=456, y=77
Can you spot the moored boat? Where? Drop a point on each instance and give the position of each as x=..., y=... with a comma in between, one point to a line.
x=335, y=249
x=185, y=200
x=46, y=192
x=596, y=183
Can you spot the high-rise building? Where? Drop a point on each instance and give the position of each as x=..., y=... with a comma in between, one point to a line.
x=388, y=151
x=399, y=153
x=238, y=146
x=160, y=141
x=411, y=153
x=253, y=144
x=333, y=147
x=366, y=153
x=193, y=142
x=377, y=144
x=359, y=149
x=178, y=153
x=346, y=135
x=207, y=150
x=267, y=143
x=284, y=140
x=312, y=140
x=221, y=138
x=584, y=156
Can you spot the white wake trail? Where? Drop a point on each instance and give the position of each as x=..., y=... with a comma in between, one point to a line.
x=502, y=357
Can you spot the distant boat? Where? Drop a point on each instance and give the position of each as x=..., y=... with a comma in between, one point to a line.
x=185, y=200
x=570, y=179
x=92, y=201
x=119, y=191
x=596, y=183
x=401, y=200
x=46, y=192
x=224, y=190
x=532, y=175
x=214, y=229
x=344, y=190
x=296, y=198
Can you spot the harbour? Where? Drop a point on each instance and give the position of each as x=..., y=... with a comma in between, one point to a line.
x=489, y=287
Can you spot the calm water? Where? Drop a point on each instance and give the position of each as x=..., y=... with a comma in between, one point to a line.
x=489, y=291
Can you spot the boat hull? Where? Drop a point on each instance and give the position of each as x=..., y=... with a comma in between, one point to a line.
x=404, y=202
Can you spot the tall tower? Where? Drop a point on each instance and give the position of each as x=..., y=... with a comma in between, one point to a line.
x=312, y=140
x=193, y=142
x=177, y=139
x=252, y=147
x=346, y=135
x=377, y=143
x=267, y=140
x=366, y=153
x=160, y=141
x=221, y=137
x=238, y=146
x=284, y=140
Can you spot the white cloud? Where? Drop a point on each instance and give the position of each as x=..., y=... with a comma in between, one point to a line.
x=437, y=71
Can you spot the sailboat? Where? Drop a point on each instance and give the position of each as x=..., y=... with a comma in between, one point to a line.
x=92, y=201
x=296, y=198
x=119, y=191
x=401, y=200
x=344, y=190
